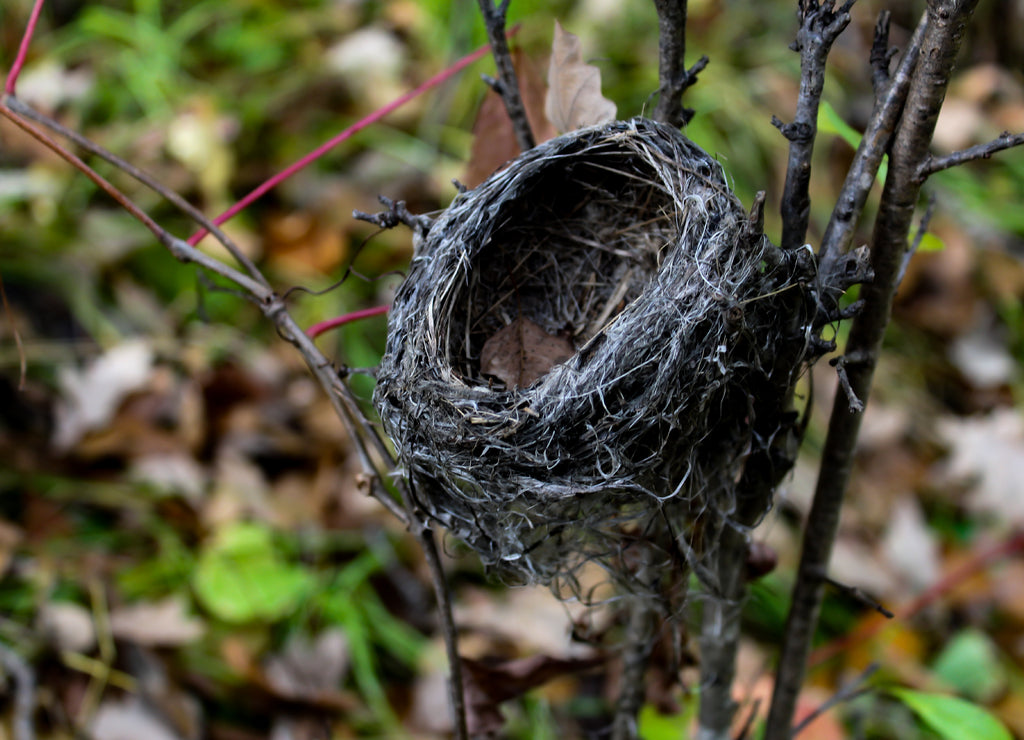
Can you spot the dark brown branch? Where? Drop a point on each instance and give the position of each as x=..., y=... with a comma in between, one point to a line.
x=859, y=595
x=396, y=213
x=861, y=176
x=922, y=229
x=456, y=690
x=673, y=76
x=943, y=35
x=932, y=164
x=636, y=656
x=881, y=55
x=508, y=83
x=820, y=26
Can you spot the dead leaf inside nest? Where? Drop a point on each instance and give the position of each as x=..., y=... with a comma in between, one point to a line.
x=574, y=97
x=523, y=352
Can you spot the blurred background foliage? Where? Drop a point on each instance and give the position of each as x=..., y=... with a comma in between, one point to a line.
x=166, y=453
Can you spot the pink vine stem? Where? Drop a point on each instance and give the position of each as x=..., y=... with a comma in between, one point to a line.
x=319, y=328
x=26, y=40
x=347, y=133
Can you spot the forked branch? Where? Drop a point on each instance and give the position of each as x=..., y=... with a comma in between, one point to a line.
x=674, y=78
x=507, y=84
x=820, y=26
x=941, y=41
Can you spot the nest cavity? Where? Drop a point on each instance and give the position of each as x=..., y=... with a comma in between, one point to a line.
x=588, y=351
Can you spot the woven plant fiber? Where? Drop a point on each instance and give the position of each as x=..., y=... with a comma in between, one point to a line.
x=686, y=330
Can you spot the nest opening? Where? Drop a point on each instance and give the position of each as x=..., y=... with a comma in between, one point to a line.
x=584, y=246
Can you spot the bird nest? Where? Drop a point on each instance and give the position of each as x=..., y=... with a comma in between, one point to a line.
x=589, y=349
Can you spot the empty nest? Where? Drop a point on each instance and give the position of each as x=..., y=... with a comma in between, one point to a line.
x=587, y=353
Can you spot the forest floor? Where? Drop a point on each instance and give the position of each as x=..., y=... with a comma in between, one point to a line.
x=186, y=545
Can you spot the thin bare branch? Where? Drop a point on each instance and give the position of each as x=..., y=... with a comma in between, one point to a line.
x=858, y=594
x=145, y=178
x=848, y=691
x=673, y=76
x=820, y=26
x=933, y=164
x=507, y=84
x=456, y=687
x=881, y=54
x=941, y=41
x=873, y=145
x=395, y=213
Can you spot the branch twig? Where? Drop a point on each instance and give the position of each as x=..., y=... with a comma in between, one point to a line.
x=673, y=76
x=848, y=691
x=941, y=41
x=980, y=560
x=507, y=84
x=881, y=54
x=146, y=179
x=861, y=176
x=820, y=26
x=933, y=164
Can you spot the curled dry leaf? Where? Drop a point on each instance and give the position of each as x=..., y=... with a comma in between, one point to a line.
x=574, y=97
x=522, y=352
x=488, y=684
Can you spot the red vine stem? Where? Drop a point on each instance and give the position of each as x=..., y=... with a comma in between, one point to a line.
x=346, y=134
x=26, y=40
x=319, y=328
x=979, y=561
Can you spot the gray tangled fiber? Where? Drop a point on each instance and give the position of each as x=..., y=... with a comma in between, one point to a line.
x=689, y=329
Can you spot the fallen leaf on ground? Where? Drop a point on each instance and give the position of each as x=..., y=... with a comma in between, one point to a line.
x=909, y=547
x=988, y=451
x=307, y=668
x=68, y=626
x=91, y=396
x=574, y=97
x=522, y=352
x=163, y=623
x=129, y=719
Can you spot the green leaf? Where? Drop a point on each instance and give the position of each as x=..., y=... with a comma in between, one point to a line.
x=951, y=717
x=930, y=243
x=830, y=122
x=241, y=576
x=969, y=664
x=653, y=725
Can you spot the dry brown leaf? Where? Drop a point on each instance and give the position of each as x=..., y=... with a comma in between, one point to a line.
x=522, y=352
x=164, y=623
x=574, y=97
x=488, y=684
